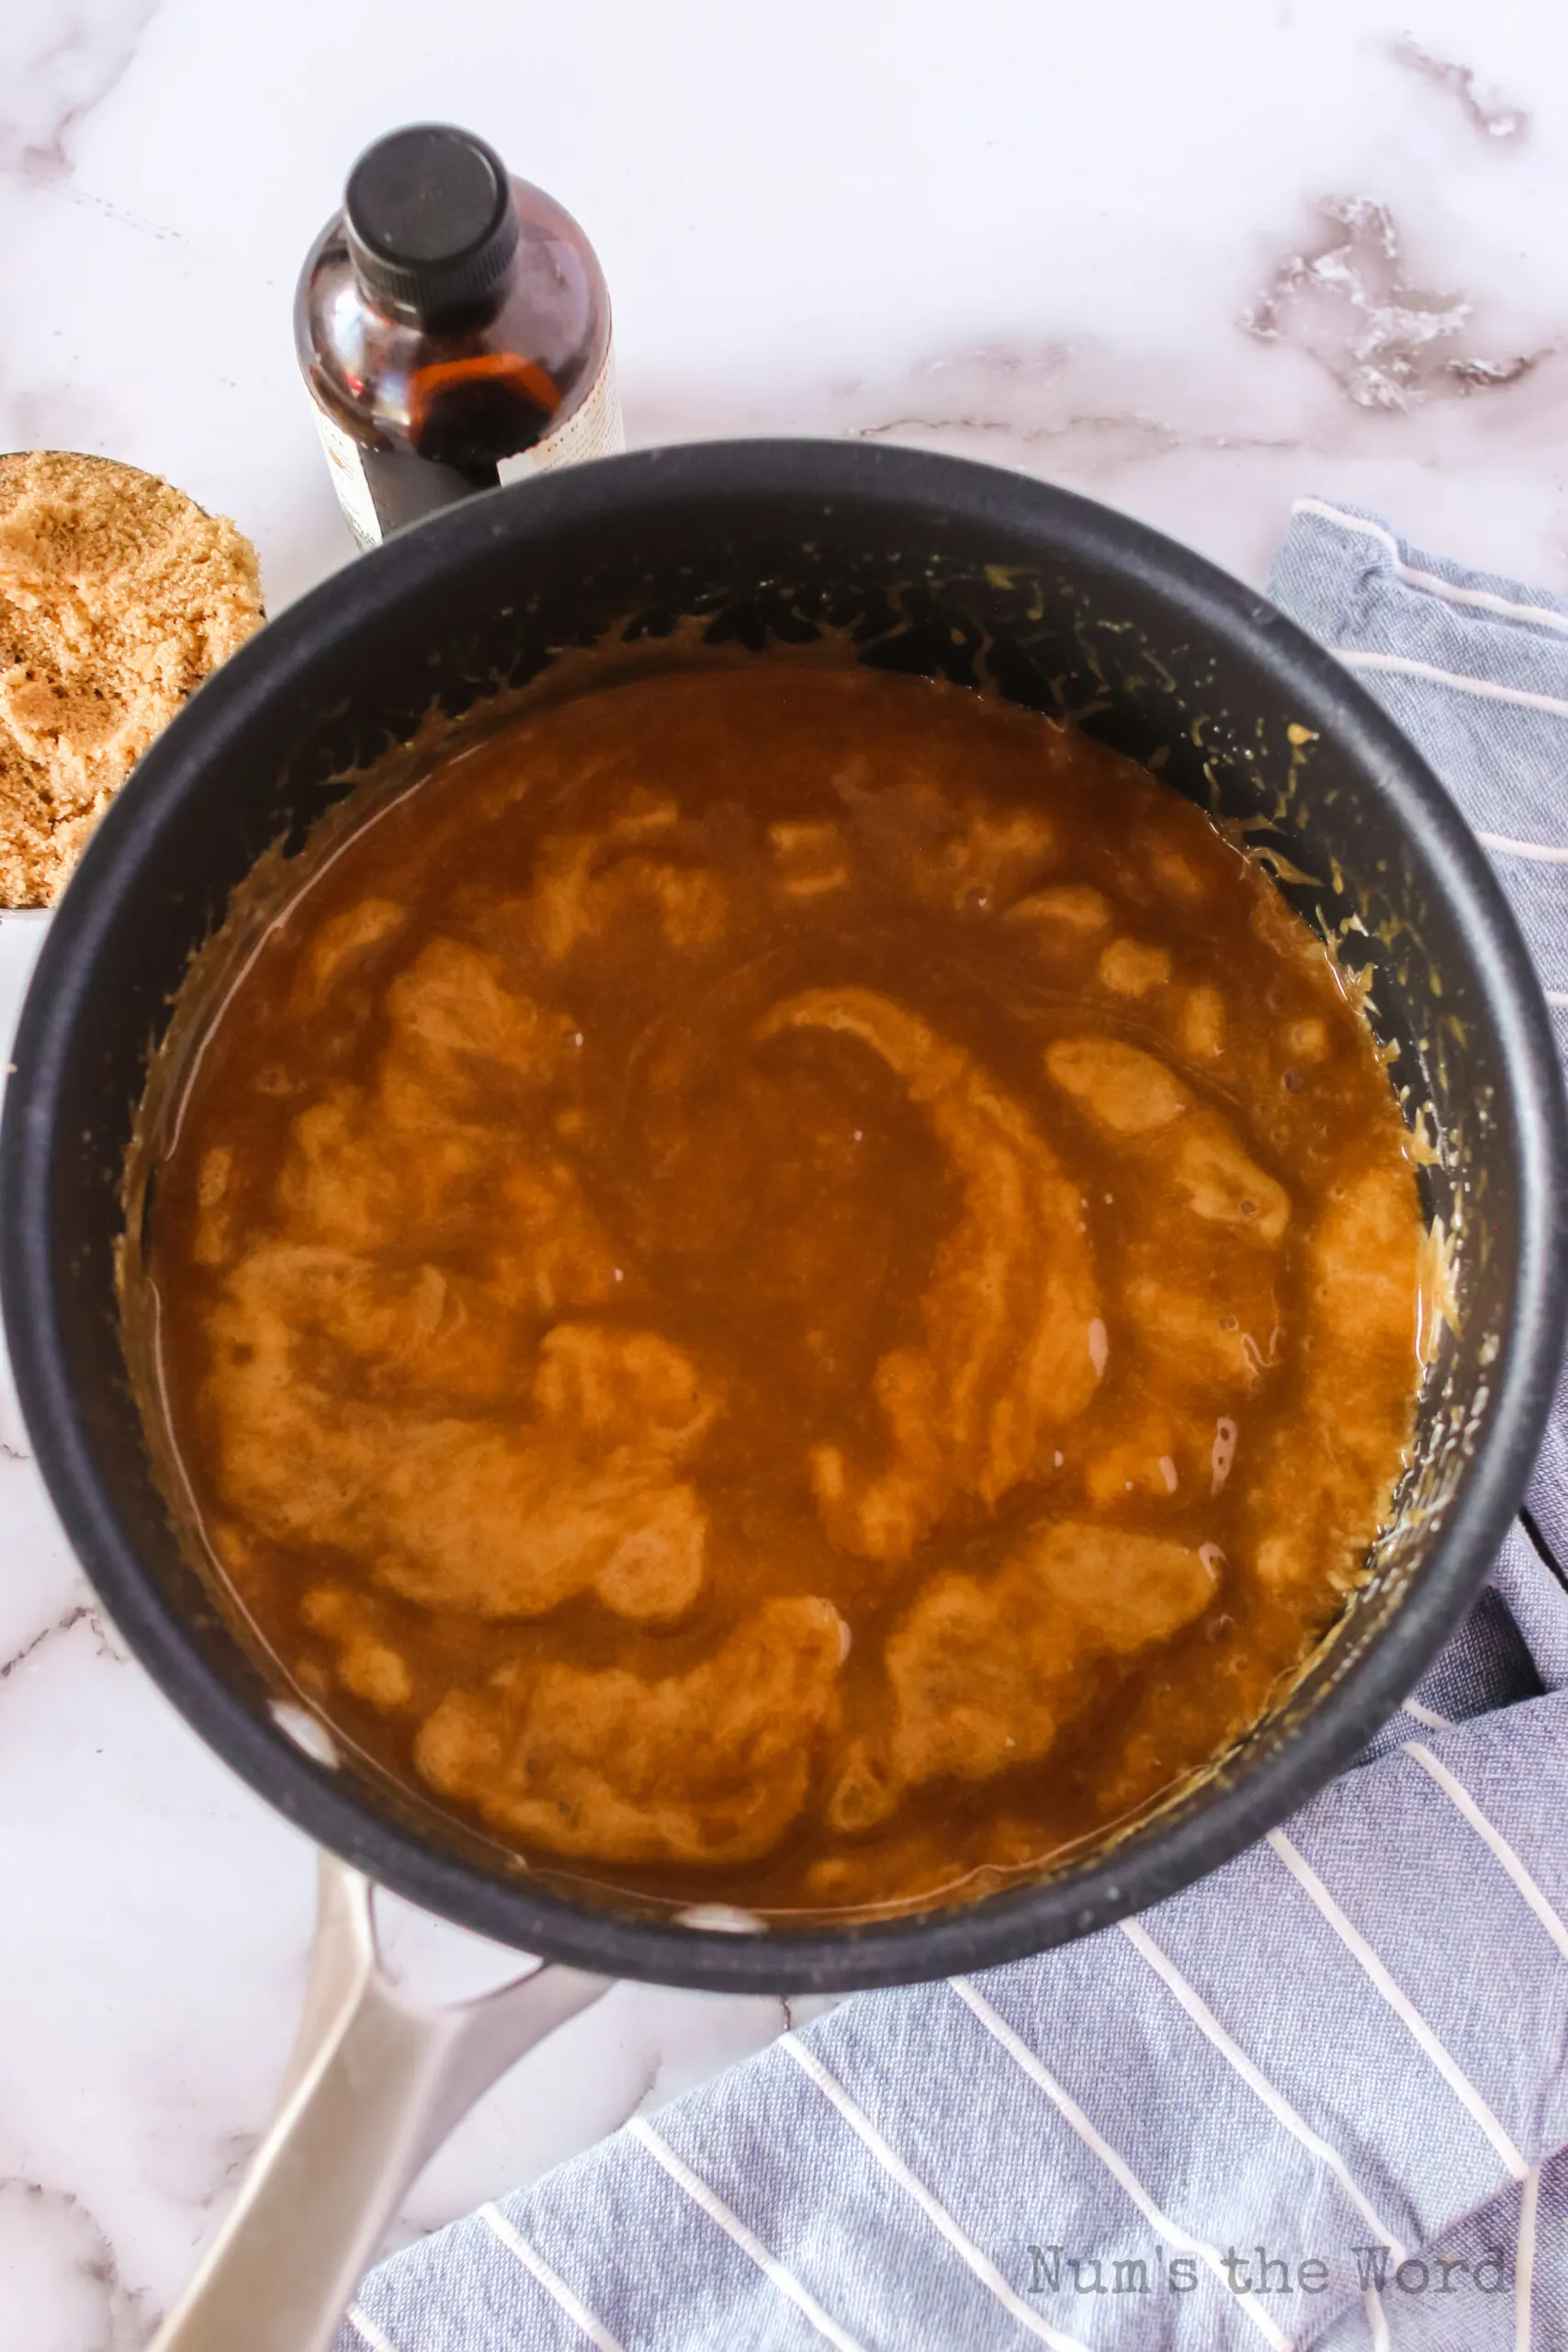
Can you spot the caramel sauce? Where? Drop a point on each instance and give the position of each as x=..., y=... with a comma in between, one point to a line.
x=789, y=1287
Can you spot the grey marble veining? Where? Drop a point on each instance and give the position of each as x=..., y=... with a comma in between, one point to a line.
x=1194, y=261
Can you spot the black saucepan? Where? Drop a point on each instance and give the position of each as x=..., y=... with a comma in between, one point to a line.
x=921, y=563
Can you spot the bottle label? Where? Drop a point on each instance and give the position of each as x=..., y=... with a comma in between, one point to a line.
x=592, y=430
x=346, y=463
x=378, y=492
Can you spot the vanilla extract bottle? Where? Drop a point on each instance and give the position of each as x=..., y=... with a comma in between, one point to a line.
x=453, y=326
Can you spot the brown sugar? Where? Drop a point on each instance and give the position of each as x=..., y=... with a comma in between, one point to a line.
x=117, y=596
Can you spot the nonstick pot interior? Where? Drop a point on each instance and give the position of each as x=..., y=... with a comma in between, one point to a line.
x=922, y=565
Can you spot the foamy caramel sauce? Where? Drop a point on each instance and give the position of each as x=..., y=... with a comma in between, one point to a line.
x=274, y=897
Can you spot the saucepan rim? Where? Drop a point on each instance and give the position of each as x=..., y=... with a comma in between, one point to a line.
x=190, y=759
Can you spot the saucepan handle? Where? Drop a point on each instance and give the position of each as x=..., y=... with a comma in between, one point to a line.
x=373, y=2088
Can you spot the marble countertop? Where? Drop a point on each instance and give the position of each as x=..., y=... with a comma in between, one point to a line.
x=1195, y=262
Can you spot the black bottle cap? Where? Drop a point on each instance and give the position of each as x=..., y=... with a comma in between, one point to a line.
x=429, y=219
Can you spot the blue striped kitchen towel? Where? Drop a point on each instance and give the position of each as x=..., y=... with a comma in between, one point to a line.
x=1320, y=2099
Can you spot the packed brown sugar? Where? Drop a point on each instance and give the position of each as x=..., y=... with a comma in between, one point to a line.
x=790, y=1287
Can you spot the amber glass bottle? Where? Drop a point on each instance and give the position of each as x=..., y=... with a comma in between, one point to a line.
x=454, y=330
